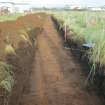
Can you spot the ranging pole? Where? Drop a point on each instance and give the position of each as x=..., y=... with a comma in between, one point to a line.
x=65, y=36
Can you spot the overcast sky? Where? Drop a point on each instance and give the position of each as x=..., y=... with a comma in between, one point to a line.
x=62, y=2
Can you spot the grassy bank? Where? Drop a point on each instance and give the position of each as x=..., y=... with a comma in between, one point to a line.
x=88, y=26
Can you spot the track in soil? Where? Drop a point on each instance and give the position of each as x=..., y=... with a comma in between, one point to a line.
x=56, y=79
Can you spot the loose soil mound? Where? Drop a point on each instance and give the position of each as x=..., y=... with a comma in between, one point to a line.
x=12, y=28
x=21, y=34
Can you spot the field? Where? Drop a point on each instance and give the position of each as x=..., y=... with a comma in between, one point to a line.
x=10, y=17
x=86, y=27
x=35, y=66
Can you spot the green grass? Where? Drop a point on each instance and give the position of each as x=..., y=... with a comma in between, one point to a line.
x=6, y=76
x=10, y=17
x=89, y=26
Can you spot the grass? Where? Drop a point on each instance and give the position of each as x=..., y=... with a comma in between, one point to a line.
x=9, y=50
x=24, y=35
x=10, y=17
x=6, y=76
x=89, y=26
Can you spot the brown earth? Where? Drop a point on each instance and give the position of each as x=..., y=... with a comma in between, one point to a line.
x=13, y=29
x=56, y=78
x=21, y=63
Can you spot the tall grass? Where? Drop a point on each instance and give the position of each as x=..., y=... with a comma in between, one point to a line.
x=6, y=76
x=9, y=49
x=89, y=26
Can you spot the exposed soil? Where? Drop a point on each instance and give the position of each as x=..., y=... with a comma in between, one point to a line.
x=25, y=51
x=56, y=78
x=13, y=29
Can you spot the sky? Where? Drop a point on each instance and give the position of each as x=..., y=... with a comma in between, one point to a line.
x=59, y=3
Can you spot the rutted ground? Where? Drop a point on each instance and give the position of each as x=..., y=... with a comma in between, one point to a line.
x=56, y=79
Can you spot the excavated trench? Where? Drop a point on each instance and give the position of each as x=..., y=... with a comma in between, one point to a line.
x=47, y=73
x=56, y=77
